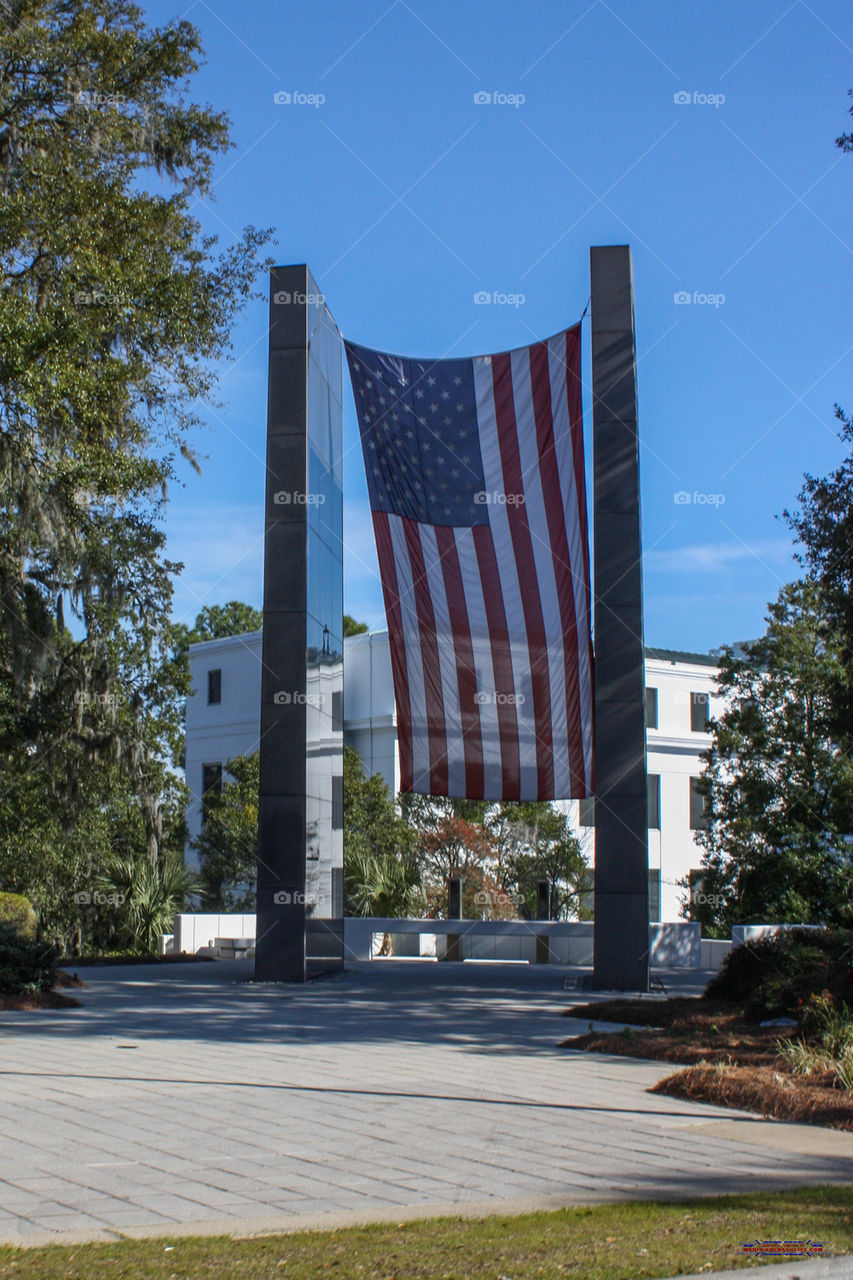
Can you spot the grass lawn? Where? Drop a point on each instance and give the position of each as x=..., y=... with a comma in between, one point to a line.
x=604, y=1242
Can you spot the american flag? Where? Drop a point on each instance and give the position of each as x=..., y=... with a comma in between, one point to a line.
x=476, y=478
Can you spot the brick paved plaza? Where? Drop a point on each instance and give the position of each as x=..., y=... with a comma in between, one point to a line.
x=180, y=1097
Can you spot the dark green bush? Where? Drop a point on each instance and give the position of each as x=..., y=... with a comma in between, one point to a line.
x=777, y=974
x=26, y=966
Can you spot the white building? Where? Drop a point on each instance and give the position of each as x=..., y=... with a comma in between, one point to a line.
x=223, y=721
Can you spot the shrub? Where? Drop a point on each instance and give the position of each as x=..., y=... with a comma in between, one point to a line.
x=779, y=973
x=26, y=966
x=16, y=910
x=831, y=1026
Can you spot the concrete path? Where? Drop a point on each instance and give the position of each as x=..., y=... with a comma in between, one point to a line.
x=184, y=1099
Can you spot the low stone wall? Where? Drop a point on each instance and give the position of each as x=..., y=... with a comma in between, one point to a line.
x=676, y=944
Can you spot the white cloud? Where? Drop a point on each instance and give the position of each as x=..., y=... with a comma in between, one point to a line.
x=717, y=557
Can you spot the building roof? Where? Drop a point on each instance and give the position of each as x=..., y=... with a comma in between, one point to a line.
x=682, y=655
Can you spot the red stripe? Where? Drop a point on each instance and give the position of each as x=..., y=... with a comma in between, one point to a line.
x=555, y=510
x=390, y=590
x=436, y=725
x=466, y=674
x=490, y=577
x=575, y=403
x=526, y=564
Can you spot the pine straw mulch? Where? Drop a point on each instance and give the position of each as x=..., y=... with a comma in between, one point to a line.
x=731, y=1062
x=773, y=1093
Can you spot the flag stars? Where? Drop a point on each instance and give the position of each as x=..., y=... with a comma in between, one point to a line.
x=430, y=381
x=419, y=393
x=457, y=381
x=445, y=395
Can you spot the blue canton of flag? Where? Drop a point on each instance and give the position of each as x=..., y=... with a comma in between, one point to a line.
x=419, y=434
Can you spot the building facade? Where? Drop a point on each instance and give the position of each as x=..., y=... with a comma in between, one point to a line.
x=223, y=720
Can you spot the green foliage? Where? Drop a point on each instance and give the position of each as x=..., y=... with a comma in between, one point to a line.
x=114, y=311
x=380, y=876
x=778, y=780
x=228, y=844
x=779, y=973
x=232, y=619
x=145, y=897
x=17, y=911
x=26, y=966
x=536, y=842
x=353, y=628
x=824, y=527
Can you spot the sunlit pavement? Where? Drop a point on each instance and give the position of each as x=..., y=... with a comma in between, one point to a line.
x=183, y=1097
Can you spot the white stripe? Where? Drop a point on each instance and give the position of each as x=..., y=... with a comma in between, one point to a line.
x=414, y=662
x=456, y=779
x=528, y=448
x=481, y=646
x=504, y=551
x=576, y=535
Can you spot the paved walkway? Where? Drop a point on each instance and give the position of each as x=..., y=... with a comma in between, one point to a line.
x=182, y=1098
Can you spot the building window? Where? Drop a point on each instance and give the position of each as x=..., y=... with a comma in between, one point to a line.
x=653, y=791
x=699, y=712
x=214, y=687
x=698, y=807
x=337, y=710
x=654, y=894
x=211, y=785
x=337, y=802
x=651, y=708
x=586, y=812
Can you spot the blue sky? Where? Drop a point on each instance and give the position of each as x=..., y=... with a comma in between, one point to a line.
x=407, y=196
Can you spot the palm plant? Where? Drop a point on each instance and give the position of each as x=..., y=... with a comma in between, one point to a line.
x=147, y=896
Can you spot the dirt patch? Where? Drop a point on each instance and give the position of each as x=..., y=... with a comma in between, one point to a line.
x=685, y=1029
x=64, y=979
x=39, y=1000
x=768, y=1092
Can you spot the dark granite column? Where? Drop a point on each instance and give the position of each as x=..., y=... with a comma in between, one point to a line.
x=300, y=820
x=621, y=801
